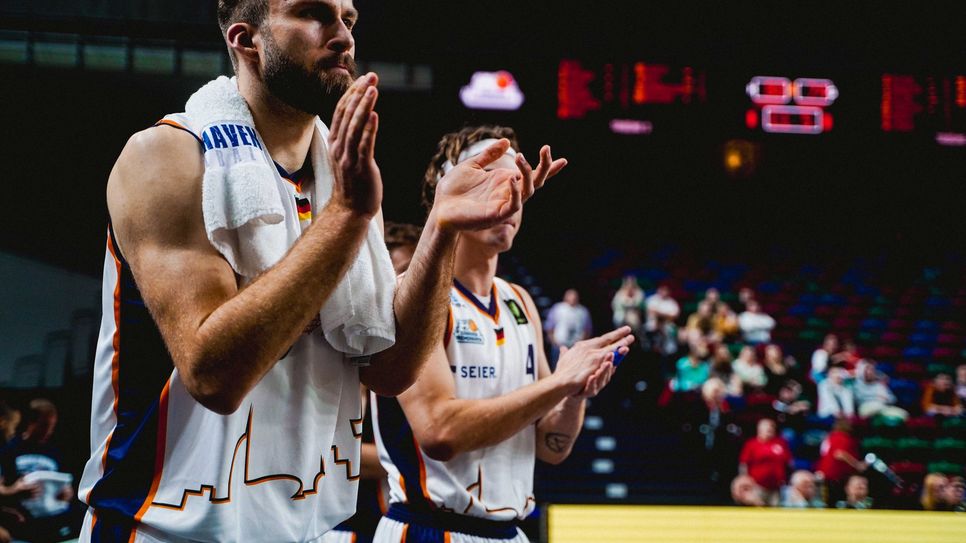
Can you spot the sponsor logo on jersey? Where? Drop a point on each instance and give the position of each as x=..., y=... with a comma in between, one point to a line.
x=475, y=372
x=467, y=331
x=518, y=313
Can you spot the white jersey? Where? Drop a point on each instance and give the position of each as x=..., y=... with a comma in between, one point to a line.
x=283, y=467
x=491, y=352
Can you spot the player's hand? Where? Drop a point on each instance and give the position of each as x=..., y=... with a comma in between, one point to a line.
x=533, y=180
x=66, y=494
x=471, y=198
x=5, y=536
x=584, y=369
x=352, y=144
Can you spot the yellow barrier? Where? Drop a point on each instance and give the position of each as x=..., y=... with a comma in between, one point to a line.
x=646, y=524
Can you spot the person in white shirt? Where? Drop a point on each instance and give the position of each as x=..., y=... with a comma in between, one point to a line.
x=628, y=304
x=821, y=356
x=872, y=394
x=662, y=311
x=567, y=323
x=835, y=397
x=755, y=325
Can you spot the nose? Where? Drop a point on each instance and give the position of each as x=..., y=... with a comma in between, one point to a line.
x=342, y=41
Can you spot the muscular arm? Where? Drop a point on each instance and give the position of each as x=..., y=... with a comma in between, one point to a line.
x=221, y=339
x=445, y=425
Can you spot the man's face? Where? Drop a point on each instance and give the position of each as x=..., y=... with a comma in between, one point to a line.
x=9, y=425
x=309, y=52
x=571, y=297
x=943, y=382
x=766, y=429
x=806, y=487
x=857, y=489
x=401, y=256
x=498, y=238
x=961, y=373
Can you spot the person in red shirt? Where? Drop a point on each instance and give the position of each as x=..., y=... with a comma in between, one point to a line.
x=839, y=459
x=766, y=458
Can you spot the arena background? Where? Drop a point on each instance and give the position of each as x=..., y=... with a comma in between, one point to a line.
x=701, y=185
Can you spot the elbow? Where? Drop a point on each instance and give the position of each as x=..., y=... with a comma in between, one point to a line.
x=217, y=399
x=440, y=447
x=390, y=385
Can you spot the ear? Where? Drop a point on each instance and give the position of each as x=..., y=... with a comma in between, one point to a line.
x=241, y=38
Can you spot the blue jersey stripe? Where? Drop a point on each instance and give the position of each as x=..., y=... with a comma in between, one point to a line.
x=398, y=438
x=144, y=367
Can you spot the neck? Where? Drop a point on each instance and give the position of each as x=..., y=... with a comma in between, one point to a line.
x=475, y=268
x=286, y=131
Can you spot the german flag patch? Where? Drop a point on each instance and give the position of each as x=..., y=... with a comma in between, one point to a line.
x=500, y=338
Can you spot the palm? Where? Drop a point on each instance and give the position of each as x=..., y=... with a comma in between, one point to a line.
x=470, y=198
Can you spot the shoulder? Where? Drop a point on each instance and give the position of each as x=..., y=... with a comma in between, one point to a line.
x=155, y=185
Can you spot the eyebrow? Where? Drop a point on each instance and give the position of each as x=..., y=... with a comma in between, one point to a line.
x=350, y=12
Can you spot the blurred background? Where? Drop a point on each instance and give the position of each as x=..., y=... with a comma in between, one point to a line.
x=813, y=154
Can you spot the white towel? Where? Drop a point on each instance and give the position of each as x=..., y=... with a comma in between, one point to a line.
x=251, y=219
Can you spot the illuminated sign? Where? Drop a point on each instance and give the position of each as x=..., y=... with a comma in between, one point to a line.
x=932, y=104
x=791, y=107
x=621, y=90
x=661, y=524
x=492, y=90
x=631, y=127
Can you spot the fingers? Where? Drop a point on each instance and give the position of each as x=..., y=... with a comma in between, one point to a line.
x=547, y=168
x=491, y=153
x=360, y=121
x=340, y=109
x=367, y=147
x=527, y=172
x=610, y=337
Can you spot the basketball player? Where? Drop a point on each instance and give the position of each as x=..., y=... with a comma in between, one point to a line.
x=460, y=444
x=401, y=240
x=220, y=413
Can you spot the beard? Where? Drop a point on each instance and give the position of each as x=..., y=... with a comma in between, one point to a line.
x=313, y=91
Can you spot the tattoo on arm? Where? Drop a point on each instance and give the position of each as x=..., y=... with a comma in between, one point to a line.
x=557, y=442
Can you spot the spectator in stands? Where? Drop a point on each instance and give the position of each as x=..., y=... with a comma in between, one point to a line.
x=745, y=295
x=822, y=356
x=933, y=497
x=749, y=370
x=401, y=240
x=803, y=492
x=961, y=383
x=956, y=494
x=755, y=325
x=939, y=398
x=567, y=323
x=9, y=420
x=662, y=311
x=778, y=368
x=628, y=305
x=722, y=367
x=838, y=459
x=725, y=322
x=791, y=407
x=872, y=394
x=700, y=325
x=745, y=491
x=32, y=452
x=766, y=458
x=692, y=370
x=835, y=396
x=847, y=358
x=856, y=494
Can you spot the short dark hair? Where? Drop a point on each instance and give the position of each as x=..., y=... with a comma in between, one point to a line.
x=38, y=408
x=450, y=147
x=402, y=235
x=230, y=12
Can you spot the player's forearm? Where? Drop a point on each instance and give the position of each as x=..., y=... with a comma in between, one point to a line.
x=420, y=305
x=558, y=430
x=371, y=468
x=243, y=338
x=459, y=425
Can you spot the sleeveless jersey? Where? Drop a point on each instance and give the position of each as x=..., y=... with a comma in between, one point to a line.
x=283, y=467
x=491, y=353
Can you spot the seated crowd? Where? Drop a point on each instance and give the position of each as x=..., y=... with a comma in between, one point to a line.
x=726, y=359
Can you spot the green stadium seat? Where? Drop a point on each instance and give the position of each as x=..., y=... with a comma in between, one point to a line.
x=879, y=311
x=811, y=336
x=949, y=468
x=817, y=323
x=913, y=448
x=935, y=368
x=950, y=449
x=954, y=426
x=882, y=447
